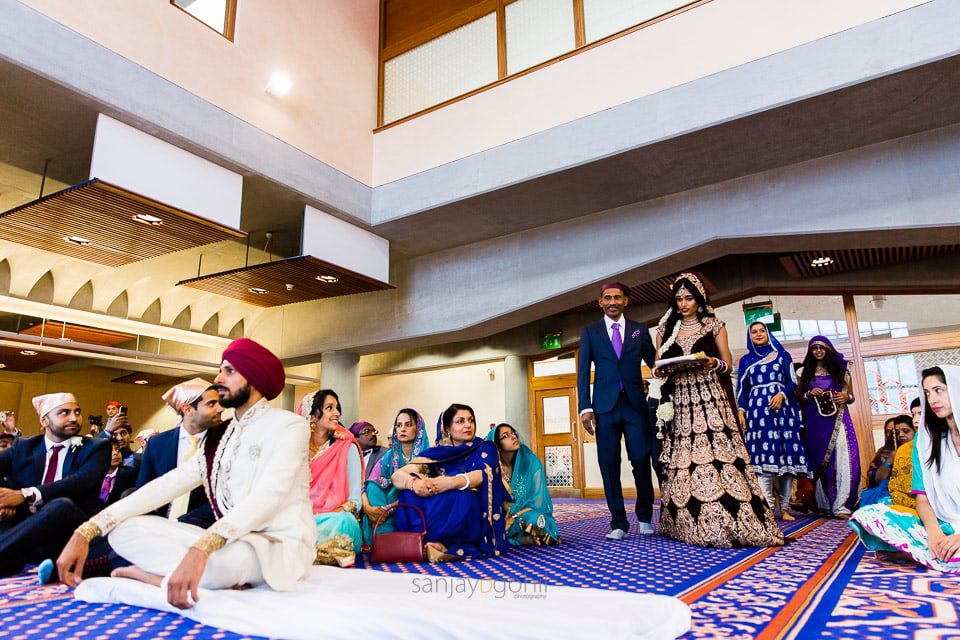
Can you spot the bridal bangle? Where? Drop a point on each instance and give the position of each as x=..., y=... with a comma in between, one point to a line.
x=88, y=530
x=466, y=481
x=208, y=543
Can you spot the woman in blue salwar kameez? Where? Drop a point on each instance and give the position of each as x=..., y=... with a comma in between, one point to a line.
x=458, y=486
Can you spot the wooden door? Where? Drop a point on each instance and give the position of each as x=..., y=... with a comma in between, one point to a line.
x=558, y=442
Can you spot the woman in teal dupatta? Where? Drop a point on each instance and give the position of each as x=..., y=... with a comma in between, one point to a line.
x=408, y=441
x=530, y=521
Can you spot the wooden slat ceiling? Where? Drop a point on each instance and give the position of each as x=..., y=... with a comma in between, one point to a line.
x=13, y=360
x=273, y=277
x=76, y=333
x=802, y=265
x=104, y=214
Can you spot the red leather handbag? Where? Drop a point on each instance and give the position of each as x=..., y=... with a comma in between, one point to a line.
x=398, y=546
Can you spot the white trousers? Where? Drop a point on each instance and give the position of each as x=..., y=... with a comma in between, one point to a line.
x=769, y=483
x=157, y=545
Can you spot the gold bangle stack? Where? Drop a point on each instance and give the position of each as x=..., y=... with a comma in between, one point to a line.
x=208, y=543
x=88, y=530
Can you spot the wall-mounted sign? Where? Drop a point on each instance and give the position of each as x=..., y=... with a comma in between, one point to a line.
x=550, y=340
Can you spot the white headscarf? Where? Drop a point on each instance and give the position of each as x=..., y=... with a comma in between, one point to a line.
x=943, y=486
x=48, y=402
x=179, y=396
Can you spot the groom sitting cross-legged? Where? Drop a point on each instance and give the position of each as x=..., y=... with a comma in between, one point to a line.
x=257, y=480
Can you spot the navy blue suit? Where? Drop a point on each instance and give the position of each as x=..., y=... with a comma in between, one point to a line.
x=31, y=537
x=161, y=457
x=620, y=407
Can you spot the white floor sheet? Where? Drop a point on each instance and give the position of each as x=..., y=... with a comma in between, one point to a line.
x=351, y=603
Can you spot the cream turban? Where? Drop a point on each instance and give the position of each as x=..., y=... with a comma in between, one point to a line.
x=185, y=393
x=46, y=403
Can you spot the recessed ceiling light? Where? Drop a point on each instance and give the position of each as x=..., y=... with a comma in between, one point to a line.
x=279, y=85
x=28, y=352
x=146, y=218
x=258, y=290
x=822, y=261
x=2, y=366
x=141, y=382
x=80, y=240
x=328, y=279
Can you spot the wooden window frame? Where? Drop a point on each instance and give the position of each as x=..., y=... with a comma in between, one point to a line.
x=580, y=46
x=229, y=19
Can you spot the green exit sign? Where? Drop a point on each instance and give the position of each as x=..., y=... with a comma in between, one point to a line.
x=550, y=341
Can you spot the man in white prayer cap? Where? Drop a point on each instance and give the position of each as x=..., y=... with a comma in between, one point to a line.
x=54, y=482
x=197, y=405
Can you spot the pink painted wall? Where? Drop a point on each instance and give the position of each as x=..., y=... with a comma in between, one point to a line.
x=719, y=35
x=327, y=47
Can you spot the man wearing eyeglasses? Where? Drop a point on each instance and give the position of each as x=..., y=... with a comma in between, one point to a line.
x=366, y=435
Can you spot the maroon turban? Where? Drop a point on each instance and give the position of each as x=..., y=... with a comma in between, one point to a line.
x=615, y=285
x=259, y=366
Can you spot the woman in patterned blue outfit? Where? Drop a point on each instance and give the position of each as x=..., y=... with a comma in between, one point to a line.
x=771, y=415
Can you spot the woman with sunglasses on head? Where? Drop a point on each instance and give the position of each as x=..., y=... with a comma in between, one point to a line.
x=834, y=454
x=929, y=534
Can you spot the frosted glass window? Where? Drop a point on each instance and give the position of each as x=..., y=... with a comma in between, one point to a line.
x=554, y=367
x=449, y=66
x=602, y=18
x=556, y=415
x=538, y=30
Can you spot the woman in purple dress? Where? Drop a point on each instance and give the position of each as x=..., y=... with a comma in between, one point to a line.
x=831, y=441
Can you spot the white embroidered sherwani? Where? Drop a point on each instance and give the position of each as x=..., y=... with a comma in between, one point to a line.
x=259, y=481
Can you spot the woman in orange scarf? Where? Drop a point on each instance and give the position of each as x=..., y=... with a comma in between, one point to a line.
x=336, y=478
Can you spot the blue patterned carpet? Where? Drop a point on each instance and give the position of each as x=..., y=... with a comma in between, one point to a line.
x=819, y=585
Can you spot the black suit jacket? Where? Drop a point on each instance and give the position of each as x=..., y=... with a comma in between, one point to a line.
x=161, y=457
x=595, y=346
x=84, y=468
x=126, y=479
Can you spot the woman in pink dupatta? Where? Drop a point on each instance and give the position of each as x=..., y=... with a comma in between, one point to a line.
x=336, y=478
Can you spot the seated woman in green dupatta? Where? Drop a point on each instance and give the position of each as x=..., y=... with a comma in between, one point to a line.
x=530, y=521
x=408, y=440
x=336, y=475
x=458, y=486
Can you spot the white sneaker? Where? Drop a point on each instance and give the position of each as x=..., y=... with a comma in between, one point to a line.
x=645, y=528
x=617, y=534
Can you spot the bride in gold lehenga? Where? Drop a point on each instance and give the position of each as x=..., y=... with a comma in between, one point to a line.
x=710, y=495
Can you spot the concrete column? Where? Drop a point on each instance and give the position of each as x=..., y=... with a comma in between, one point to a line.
x=287, y=397
x=517, y=390
x=340, y=371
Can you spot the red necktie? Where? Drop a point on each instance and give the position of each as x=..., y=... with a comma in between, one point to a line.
x=51, y=473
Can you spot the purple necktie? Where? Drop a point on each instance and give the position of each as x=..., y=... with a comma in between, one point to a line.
x=616, y=339
x=51, y=473
x=106, y=487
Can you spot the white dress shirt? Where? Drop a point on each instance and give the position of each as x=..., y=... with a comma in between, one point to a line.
x=49, y=444
x=184, y=448
x=623, y=327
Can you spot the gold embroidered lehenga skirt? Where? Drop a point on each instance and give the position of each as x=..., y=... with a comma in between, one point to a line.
x=710, y=495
